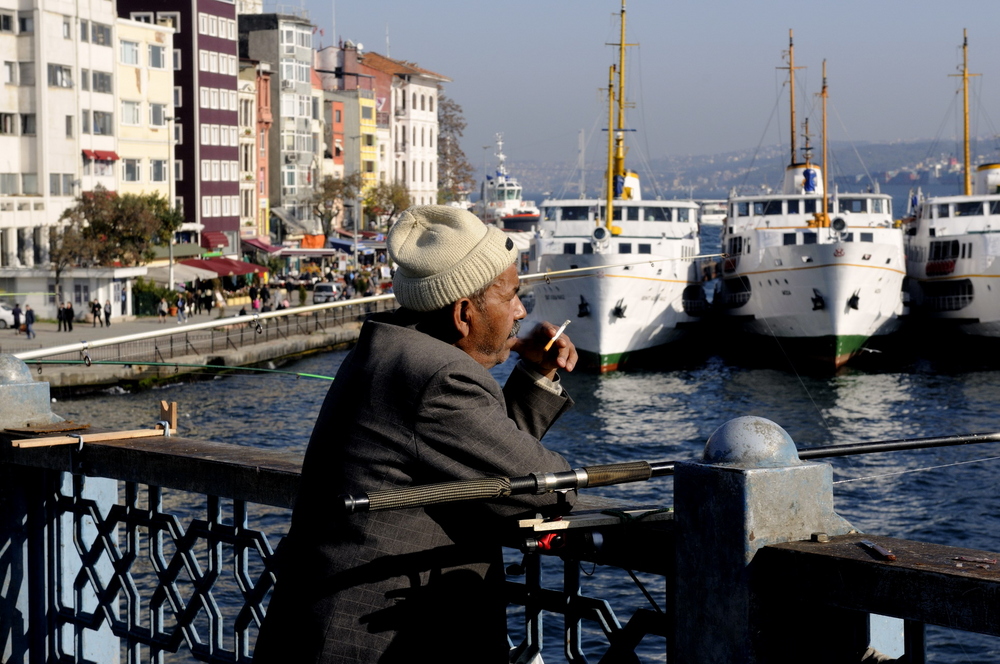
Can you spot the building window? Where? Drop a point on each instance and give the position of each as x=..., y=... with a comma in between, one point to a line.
x=206, y=135
x=60, y=184
x=178, y=170
x=213, y=94
x=430, y=104
x=102, y=82
x=216, y=206
x=84, y=79
x=25, y=23
x=178, y=133
x=29, y=183
x=69, y=126
x=157, y=115
x=26, y=73
x=213, y=62
x=179, y=204
x=177, y=59
x=6, y=23
x=130, y=53
x=130, y=113
x=142, y=17
x=202, y=23
x=213, y=26
x=130, y=170
x=100, y=34
x=67, y=27
x=9, y=183
x=203, y=97
x=178, y=90
x=84, y=30
x=28, y=127
x=10, y=73
x=60, y=76
x=214, y=134
x=158, y=170
x=206, y=206
x=104, y=123
x=85, y=122
x=157, y=57
x=170, y=19
x=367, y=112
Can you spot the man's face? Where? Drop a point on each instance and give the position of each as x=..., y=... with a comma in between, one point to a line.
x=496, y=324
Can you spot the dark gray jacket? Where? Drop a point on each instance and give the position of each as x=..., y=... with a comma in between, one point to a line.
x=407, y=409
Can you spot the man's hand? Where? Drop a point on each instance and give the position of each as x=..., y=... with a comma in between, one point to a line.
x=531, y=348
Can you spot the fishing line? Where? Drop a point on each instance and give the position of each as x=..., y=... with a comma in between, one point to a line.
x=918, y=470
x=545, y=275
x=182, y=364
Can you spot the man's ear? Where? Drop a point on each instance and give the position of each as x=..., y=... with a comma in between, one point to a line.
x=463, y=313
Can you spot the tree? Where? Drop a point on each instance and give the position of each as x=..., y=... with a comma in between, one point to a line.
x=455, y=174
x=328, y=199
x=387, y=200
x=113, y=229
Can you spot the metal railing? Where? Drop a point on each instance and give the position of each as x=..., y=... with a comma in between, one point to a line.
x=218, y=335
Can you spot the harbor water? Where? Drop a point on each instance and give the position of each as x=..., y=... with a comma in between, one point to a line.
x=944, y=495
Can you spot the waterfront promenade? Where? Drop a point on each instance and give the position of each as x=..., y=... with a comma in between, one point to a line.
x=149, y=351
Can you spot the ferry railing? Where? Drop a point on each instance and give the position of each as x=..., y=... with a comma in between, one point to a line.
x=203, y=339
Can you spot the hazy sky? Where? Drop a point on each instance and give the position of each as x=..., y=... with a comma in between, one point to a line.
x=703, y=77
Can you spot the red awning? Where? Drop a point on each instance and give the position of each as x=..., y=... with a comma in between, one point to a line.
x=106, y=155
x=224, y=267
x=213, y=239
x=90, y=154
x=261, y=244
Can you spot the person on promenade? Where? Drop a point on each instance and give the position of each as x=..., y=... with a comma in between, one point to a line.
x=68, y=316
x=414, y=403
x=161, y=310
x=181, y=303
x=107, y=313
x=60, y=317
x=95, y=311
x=16, y=312
x=29, y=321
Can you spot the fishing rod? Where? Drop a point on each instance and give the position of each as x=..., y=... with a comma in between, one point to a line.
x=593, y=268
x=177, y=364
x=490, y=488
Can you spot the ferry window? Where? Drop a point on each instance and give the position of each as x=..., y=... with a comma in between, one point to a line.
x=743, y=209
x=809, y=207
x=767, y=207
x=683, y=215
x=616, y=214
x=645, y=248
x=963, y=250
x=867, y=237
x=588, y=248
x=657, y=214
x=569, y=247
x=995, y=207
x=943, y=211
x=968, y=209
x=853, y=205
x=793, y=207
x=788, y=238
x=632, y=213
x=847, y=237
x=575, y=213
x=549, y=214
x=877, y=205
x=735, y=246
x=625, y=248
x=808, y=238
x=970, y=250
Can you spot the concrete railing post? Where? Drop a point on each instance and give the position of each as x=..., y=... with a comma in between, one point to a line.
x=749, y=491
x=38, y=557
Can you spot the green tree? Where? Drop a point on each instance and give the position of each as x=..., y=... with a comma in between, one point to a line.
x=455, y=174
x=386, y=200
x=329, y=196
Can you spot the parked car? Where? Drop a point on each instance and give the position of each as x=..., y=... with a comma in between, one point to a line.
x=6, y=316
x=325, y=292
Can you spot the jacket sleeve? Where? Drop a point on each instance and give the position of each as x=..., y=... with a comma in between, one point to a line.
x=463, y=431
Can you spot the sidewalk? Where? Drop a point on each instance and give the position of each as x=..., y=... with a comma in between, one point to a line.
x=48, y=336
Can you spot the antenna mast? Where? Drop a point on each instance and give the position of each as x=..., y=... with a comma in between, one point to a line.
x=967, y=160
x=791, y=88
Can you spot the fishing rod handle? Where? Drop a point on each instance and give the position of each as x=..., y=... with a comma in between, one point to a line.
x=483, y=488
x=618, y=473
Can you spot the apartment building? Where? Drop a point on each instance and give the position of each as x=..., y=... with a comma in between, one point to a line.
x=206, y=70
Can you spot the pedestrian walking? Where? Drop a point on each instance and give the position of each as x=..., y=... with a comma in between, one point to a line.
x=198, y=301
x=161, y=310
x=68, y=316
x=220, y=302
x=60, y=317
x=95, y=310
x=17, y=318
x=29, y=321
x=107, y=313
x=181, y=317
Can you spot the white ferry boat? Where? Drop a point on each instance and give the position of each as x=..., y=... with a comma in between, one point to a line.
x=952, y=243
x=822, y=287
x=500, y=201
x=622, y=268
x=711, y=213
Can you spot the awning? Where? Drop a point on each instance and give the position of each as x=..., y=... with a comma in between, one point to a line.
x=106, y=155
x=262, y=245
x=299, y=252
x=213, y=239
x=225, y=267
x=345, y=245
x=90, y=154
x=161, y=273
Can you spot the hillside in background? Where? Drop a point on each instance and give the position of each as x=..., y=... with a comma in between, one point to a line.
x=853, y=166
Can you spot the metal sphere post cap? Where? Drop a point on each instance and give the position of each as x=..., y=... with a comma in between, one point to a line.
x=751, y=442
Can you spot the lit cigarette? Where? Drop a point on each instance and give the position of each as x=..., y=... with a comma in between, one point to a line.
x=562, y=328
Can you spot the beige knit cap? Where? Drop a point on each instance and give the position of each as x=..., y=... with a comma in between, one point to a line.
x=444, y=254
